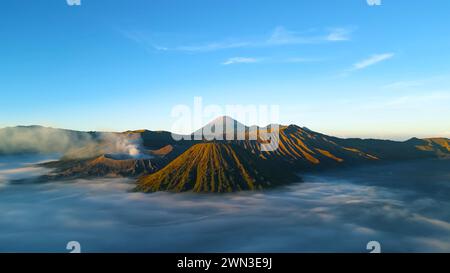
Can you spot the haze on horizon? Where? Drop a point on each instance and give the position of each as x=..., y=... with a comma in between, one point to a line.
x=342, y=68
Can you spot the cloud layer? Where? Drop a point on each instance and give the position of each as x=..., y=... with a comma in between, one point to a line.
x=339, y=211
x=74, y=144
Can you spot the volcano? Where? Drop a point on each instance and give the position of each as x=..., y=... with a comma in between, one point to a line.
x=214, y=167
x=221, y=128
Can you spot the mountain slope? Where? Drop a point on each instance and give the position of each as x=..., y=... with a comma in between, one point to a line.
x=305, y=148
x=102, y=166
x=440, y=146
x=395, y=150
x=213, y=167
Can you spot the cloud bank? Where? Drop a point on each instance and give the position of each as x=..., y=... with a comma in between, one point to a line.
x=339, y=211
x=72, y=144
x=37, y=139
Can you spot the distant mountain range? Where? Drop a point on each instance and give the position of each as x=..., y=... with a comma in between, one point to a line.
x=159, y=163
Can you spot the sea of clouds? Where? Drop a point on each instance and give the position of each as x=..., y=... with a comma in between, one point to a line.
x=403, y=206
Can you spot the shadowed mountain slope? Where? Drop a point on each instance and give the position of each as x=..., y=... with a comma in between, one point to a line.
x=394, y=150
x=303, y=147
x=306, y=148
x=436, y=145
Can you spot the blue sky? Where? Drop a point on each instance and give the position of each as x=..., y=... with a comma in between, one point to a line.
x=339, y=67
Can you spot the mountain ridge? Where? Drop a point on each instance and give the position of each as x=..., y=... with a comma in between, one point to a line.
x=160, y=163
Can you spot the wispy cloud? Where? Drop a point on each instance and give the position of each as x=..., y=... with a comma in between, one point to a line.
x=339, y=34
x=418, y=100
x=298, y=60
x=212, y=46
x=283, y=36
x=272, y=60
x=433, y=81
x=402, y=84
x=414, y=101
x=278, y=37
x=142, y=39
x=237, y=60
x=374, y=59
